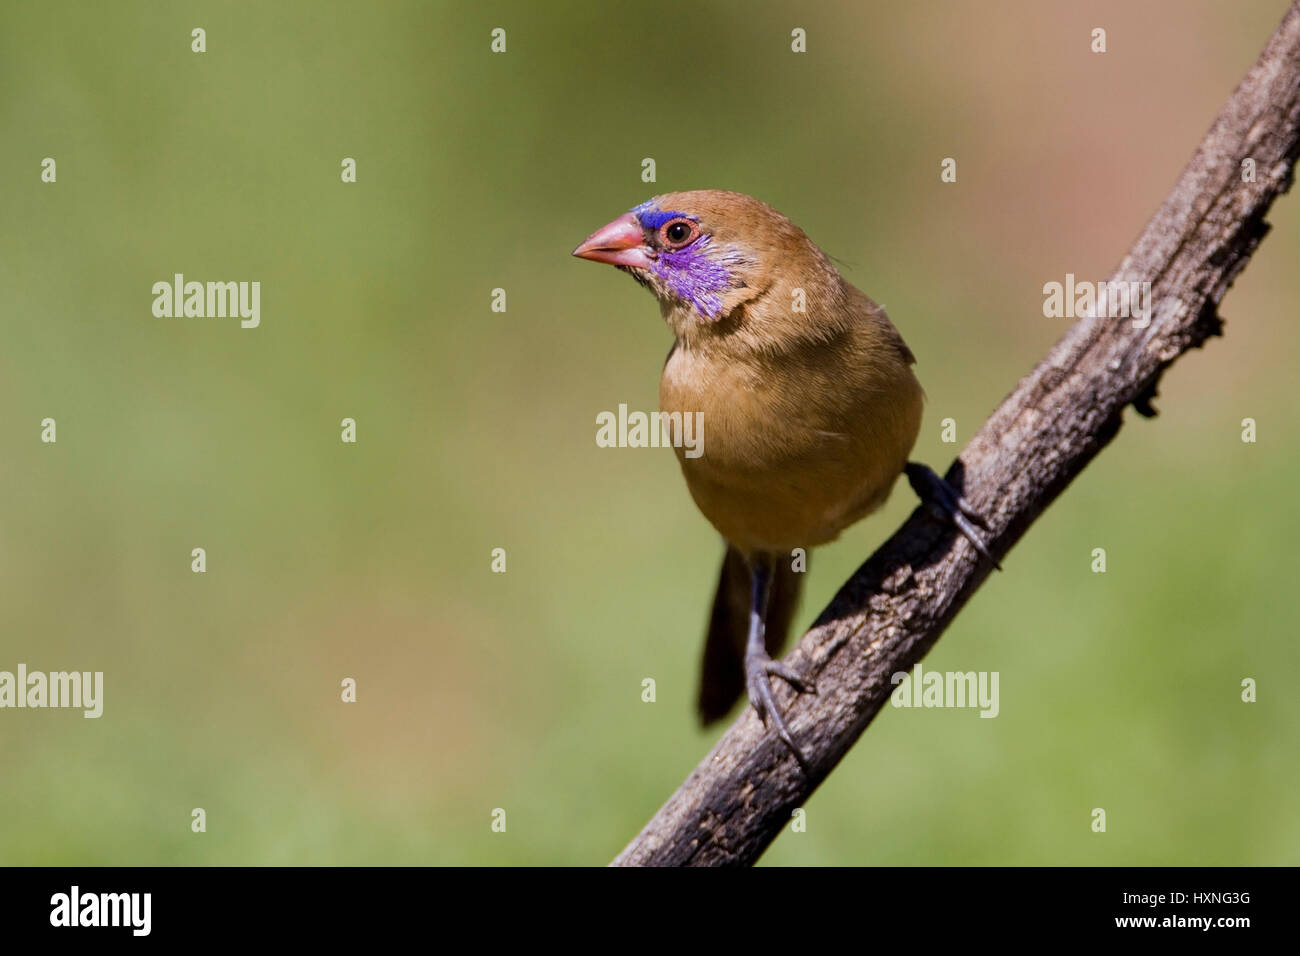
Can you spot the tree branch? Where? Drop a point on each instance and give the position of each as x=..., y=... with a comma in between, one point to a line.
x=893, y=609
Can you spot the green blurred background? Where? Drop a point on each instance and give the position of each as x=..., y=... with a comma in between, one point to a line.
x=476, y=429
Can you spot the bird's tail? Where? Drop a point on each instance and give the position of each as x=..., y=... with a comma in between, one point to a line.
x=722, y=678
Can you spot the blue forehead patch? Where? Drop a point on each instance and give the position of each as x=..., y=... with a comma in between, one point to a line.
x=652, y=217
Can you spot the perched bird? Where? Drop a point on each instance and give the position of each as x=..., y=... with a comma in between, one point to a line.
x=809, y=403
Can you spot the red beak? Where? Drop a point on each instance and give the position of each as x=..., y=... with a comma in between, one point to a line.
x=621, y=243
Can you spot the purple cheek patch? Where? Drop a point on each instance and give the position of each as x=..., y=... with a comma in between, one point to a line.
x=691, y=275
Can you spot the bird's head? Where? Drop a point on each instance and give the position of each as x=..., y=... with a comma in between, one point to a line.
x=704, y=253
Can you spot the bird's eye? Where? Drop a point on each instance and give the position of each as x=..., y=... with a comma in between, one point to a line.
x=679, y=232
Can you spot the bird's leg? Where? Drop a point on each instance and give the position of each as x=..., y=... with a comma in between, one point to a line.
x=947, y=505
x=759, y=664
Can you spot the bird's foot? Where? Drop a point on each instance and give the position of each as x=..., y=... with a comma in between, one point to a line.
x=947, y=505
x=758, y=668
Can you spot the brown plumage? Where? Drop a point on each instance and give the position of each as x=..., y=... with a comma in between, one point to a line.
x=808, y=416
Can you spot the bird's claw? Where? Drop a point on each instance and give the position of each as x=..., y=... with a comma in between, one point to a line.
x=946, y=504
x=758, y=667
x=787, y=674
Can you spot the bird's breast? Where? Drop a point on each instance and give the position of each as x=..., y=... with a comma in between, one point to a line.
x=795, y=446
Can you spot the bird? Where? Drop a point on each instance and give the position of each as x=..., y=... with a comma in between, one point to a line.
x=810, y=410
